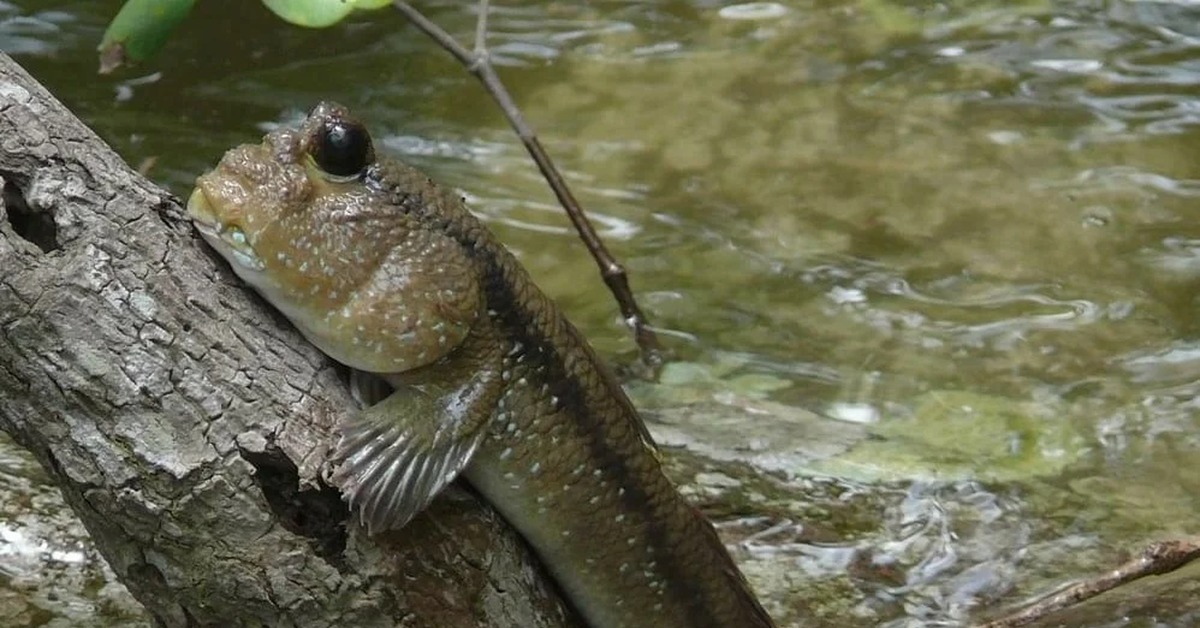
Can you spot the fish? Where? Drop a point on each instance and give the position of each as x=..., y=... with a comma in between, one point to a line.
x=390, y=274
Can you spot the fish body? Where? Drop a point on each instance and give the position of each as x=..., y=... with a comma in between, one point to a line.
x=390, y=274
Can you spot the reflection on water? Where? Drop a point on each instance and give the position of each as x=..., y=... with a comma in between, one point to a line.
x=942, y=256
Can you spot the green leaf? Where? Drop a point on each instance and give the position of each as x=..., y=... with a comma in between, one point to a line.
x=140, y=28
x=319, y=13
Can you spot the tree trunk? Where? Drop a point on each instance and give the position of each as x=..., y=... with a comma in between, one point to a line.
x=187, y=424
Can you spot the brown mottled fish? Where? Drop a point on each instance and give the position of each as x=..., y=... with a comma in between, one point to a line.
x=390, y=274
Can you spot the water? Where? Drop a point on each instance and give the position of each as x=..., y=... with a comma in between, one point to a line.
x=932, y=265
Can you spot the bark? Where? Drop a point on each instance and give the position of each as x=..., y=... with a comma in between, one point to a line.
x=187, y=424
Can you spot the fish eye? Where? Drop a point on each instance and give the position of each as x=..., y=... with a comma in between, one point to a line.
x=342, y=148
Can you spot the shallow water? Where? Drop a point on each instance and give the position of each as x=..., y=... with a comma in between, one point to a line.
x=933, y=266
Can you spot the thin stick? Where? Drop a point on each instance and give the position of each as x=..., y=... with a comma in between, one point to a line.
x=1159, y=558
x=479, y=64
x=481, y=29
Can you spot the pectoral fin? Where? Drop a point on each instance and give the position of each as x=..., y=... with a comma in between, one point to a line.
x=396, y=455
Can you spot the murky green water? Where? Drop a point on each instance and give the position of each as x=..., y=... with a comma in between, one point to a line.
x=933, y=265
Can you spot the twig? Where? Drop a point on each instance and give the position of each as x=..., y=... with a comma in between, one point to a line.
x=481, y=29
x=1159, y=558
x=479, y=64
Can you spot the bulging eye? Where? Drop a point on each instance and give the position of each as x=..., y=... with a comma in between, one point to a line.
x=342, y=148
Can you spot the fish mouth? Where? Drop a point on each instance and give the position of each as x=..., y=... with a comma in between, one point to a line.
x=202, y=214
x=229, y=240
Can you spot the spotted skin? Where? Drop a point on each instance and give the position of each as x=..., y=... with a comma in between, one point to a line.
x=390, y=274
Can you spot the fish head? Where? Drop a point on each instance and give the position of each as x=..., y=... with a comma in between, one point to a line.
x=318, y=226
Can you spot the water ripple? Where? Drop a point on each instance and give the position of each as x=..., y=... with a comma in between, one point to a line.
x=964, y=313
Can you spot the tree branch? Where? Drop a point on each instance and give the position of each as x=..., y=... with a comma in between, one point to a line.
x=187, y=425
x=1157, y=559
